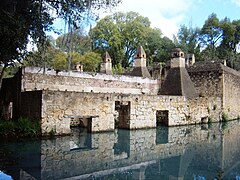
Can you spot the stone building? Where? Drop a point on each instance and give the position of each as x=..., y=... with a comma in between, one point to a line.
x=197, y=94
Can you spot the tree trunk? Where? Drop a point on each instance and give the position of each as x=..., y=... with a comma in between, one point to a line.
x=1, y=75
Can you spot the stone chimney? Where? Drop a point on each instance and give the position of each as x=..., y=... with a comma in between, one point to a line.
x=178, y=59
x=178, y=82
x=78, y=67
x=106, y=65
x=190, y=60
x=140, y=68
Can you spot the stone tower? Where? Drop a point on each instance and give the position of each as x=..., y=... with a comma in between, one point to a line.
x=140, y=68
x=178, y=82
x=78, y=67
x=106, y=65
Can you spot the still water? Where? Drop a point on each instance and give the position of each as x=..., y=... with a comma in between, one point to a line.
x=210, y=151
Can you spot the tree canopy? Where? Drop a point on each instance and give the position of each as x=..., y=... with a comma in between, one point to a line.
x=24, y=19
x=122, y=33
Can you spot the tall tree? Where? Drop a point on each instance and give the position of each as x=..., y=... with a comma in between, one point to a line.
x=211, y=36
x=188, y=40
x=81, y=42
x=120, y=34
x=21, y=19
x=157, y=47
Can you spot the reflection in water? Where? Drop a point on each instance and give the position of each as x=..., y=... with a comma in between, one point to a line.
x=186, y=152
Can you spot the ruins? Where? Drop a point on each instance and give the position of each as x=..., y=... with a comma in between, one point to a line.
x=191, y=93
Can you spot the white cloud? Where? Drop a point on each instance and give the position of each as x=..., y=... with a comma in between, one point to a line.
x=237, y=2
x=163, y=14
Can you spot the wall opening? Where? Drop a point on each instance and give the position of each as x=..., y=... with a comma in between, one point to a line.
x=122, y=118
x=162, y=117
x=82, y=122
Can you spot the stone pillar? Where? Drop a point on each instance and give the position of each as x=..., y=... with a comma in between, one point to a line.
x=140, y=68
x=106, y=65
x=78, y=67
x=178, y=60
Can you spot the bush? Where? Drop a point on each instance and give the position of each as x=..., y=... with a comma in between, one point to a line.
x=22, y=127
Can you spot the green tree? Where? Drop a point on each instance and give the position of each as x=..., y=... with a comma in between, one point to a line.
x=231, y=38
x=59, y=61
x=80, y=42
x=211, y=37
x=90, y=61
x=21, y=19
x=120, y=34
x=188, y=40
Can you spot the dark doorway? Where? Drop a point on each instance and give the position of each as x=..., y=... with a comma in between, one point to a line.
x=162, y=117
x=123, y=119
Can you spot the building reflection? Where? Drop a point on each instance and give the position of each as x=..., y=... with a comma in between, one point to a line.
x=185, y=152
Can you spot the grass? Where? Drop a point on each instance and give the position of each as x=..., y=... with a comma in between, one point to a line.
x=23, y=127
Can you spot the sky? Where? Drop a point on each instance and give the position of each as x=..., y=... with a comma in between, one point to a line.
x=169, y=15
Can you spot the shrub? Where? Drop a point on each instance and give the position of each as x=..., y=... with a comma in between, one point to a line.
x=23, y=127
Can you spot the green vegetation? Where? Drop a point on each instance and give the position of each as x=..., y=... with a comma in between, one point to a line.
x=23, y=20
x=121, y=34
x=225, y=117
x=22, y=127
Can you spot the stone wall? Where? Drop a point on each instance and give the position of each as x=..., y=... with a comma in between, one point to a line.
x=35, y=79
x=231, y=93
x=207, y=83
x=220, y=86
x=60, y=107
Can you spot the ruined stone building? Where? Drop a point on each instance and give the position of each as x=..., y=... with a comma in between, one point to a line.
x=191, y=94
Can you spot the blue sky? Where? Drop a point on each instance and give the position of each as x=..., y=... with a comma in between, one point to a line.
x=168, y=15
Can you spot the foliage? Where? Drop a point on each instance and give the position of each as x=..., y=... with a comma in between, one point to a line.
x=90, y=61
x=158, y=48
x=117, y=69
x=24, y=19
x=75, y=41
x=215, y=40
x=59, y=61
x=120, y=34
x=188, y=40
x=22, y=127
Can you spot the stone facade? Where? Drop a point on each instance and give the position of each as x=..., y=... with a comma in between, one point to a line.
x=103, y=102
x=218, y=83
x=98, y=109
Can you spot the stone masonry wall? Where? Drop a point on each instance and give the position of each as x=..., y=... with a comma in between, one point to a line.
x=35, y=79
x=59, y=107
x=231, y=93
x=207, y=83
